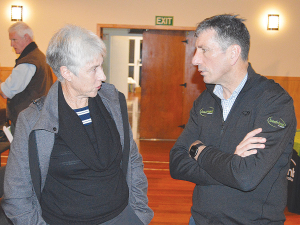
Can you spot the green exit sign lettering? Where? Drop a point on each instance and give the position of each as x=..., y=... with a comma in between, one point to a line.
x=164, y=20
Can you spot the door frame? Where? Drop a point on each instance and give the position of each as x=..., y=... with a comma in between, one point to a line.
x=143, y=27
x=146, y=27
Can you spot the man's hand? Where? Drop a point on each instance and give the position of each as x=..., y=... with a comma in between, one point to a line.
x=249, y=144
x=199, y=149
x=2, y=94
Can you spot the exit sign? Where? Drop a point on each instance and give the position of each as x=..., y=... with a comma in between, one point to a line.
x=164, y=20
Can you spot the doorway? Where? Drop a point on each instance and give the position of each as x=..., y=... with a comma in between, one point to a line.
x=122, y=65
x=163, y=116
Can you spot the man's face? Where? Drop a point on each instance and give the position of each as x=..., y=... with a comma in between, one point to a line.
x=17, y=42
x=213, y=63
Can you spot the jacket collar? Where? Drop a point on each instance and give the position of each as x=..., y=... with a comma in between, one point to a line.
x=48, y=119
x=109, y=93
x=252, y=79
x=29, y=48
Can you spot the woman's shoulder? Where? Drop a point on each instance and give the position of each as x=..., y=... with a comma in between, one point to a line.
x=31, y=113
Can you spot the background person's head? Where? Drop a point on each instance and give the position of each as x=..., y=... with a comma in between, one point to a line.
x=230, y=30
x=20, y=35
x=73, y=47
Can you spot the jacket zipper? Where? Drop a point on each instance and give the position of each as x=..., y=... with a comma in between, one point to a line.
x=222, y=127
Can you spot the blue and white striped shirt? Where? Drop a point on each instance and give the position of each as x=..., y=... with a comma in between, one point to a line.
x=228, y=103
x=84, y=115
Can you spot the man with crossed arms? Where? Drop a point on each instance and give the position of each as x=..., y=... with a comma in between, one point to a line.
x=237, y=144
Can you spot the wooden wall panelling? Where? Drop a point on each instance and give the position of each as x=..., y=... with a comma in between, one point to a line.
x=290, y=84
x=4, y=73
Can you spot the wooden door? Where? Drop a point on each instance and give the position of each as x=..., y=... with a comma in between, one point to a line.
x=194, y=81
x=162, y=74
x=170, y=83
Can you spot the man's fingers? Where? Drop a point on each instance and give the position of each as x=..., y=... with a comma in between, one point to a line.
x=248, y=153
x=248, y=148
x=252, y=133
x=254, y=140
x=250, y=144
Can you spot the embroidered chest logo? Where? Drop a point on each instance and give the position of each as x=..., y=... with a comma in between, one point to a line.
x=206, y=112
x=276, y=123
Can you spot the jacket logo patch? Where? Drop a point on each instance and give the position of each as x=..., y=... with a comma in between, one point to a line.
x=206, y=112
x=246, y=113
x=276, y=123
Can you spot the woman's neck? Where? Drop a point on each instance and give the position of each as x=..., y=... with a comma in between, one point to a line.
x=73, y=100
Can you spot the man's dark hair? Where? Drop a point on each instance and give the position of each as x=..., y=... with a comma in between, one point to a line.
x=230, y=30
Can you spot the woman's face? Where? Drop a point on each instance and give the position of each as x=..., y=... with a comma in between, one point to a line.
x=89, y=79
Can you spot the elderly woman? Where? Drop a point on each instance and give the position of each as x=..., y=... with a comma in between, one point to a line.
x=78, y=144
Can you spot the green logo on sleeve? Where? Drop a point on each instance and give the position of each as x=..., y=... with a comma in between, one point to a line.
x=206, y=112
x=276, y=123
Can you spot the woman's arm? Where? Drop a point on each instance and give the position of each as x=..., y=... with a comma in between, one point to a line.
x=19, y=202
x=138, y=184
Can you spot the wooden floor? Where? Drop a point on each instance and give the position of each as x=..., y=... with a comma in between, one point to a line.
x=170, y=199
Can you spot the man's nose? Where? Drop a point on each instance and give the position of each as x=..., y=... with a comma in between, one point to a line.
x=197, y=59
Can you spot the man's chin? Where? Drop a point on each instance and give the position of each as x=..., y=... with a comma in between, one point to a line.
x=207, y=81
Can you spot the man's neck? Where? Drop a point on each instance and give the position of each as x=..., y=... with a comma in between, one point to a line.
x=237, y=77
x=30, y=47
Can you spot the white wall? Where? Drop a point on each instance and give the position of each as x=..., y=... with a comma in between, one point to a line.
x=274, y=53
x=107, y=34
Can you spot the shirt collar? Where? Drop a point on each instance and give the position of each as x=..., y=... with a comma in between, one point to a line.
x=218, y=90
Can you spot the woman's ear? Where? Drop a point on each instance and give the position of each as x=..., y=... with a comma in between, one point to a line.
x=66, y=73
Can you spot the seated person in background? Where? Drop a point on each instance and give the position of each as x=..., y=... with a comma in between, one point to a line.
x=31, y=77
x=79, y=136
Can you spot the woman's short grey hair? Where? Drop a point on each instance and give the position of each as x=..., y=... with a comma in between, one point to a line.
x=73, y=47
x=21, y=29
x=230, y=30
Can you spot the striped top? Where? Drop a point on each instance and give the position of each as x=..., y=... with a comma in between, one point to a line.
x=84, y=115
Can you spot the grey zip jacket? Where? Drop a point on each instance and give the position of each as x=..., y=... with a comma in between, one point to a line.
x=19, y=202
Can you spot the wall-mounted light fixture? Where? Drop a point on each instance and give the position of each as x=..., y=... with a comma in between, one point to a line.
x=16, y=13
x=273, y=22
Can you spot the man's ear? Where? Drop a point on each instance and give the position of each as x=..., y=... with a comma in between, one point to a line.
x=235, y=53
x=27, y=38
x=66, y=73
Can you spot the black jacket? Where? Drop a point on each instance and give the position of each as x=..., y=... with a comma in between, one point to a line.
x=231, y=189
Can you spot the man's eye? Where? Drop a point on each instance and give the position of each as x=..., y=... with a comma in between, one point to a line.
x=204, y=50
